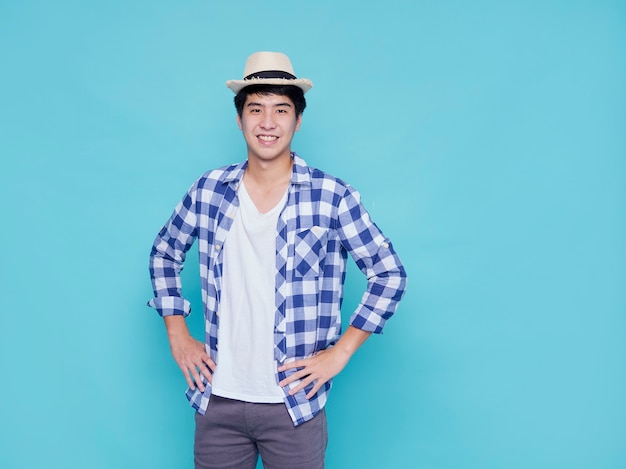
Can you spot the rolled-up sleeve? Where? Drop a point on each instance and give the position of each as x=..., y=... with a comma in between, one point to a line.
x=168, y=256
x=375, y=256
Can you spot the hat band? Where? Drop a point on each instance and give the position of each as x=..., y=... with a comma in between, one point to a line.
x=271, y=74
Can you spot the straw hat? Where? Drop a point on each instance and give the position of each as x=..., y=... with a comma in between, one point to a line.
x=269, y=68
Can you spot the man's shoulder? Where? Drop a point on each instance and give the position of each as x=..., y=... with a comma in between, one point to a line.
x=222, y=172
x=219, y=176
x=321, y=179
x=321, y=174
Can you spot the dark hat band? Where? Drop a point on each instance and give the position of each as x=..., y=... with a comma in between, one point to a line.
x=271, y=74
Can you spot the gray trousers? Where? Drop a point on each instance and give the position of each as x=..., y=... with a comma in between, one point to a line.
x=232, y=434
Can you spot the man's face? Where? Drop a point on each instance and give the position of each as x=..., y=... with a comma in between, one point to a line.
x=268, y=123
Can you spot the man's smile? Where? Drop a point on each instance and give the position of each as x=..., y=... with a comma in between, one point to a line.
x=267, y=138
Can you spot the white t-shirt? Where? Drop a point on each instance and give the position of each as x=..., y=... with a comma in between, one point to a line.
x=246, y=369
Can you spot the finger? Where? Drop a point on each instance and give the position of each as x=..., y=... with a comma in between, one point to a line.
x=292, y=365
x=303, y=384
x=294, y=377
x=197, y=379
x=187, y=376
x=193, y=377
x=210, y=363
x=206, y=372
x=313, y=392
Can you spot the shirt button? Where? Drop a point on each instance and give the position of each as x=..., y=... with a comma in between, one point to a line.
x=385, y=245
x=218, y=247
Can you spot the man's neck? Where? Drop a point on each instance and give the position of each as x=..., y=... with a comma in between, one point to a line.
x=268, y=174
x=267, y=181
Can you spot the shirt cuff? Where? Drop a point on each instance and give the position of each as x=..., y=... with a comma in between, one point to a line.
x=367, y=321
x=170, y=306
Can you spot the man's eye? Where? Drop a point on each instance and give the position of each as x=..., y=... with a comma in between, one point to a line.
x=281, y=111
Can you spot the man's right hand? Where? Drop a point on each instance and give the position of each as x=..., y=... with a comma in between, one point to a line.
x=189, y=353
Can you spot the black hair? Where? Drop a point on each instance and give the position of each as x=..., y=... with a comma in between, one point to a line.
x=294, y=93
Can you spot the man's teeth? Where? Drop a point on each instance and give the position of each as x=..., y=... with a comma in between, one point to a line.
x=267, y=138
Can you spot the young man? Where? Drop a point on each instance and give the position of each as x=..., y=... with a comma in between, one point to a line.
x=273, y=237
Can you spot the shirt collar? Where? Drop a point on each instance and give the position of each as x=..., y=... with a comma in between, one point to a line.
x=300, y=172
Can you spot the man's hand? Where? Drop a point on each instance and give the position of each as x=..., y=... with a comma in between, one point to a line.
x=325, y=364
x=189, y=353
x=319, y=368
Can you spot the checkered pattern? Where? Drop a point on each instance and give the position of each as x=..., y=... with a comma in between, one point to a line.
x=321, y=223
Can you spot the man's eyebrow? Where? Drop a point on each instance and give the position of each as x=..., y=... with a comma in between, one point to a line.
x=283, y=104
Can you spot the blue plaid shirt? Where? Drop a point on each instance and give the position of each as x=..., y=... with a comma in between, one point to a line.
x=322, y=221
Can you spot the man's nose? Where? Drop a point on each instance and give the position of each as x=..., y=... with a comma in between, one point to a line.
x=268, y=121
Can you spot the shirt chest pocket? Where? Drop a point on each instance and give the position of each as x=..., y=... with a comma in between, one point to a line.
x=309, y=251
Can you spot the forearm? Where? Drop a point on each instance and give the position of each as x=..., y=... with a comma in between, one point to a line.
x=351, y=340
x=176, y=327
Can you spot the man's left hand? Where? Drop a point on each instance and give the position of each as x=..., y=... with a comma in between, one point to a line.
x=325, y=364
x=317, y=369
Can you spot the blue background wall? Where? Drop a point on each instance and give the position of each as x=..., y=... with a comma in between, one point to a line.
x=487, y=139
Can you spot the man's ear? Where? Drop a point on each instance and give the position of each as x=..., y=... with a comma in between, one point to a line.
x=298, y=122
x=239, y=122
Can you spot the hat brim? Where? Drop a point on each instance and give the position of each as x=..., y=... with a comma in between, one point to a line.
x=237, y=85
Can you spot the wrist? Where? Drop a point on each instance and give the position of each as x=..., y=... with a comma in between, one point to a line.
x=351, y=340
x=176, y=326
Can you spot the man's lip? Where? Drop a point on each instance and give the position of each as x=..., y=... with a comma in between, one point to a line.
x=267, y=138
